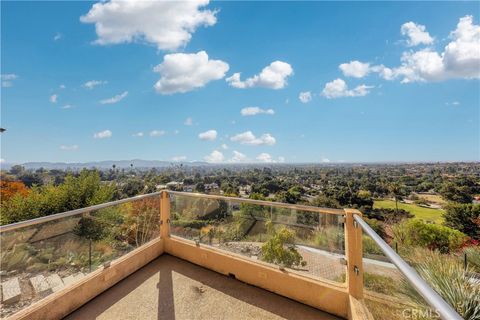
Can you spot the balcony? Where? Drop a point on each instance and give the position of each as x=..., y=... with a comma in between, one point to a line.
x=174, y=255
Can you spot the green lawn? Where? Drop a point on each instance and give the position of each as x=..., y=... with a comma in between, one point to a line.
x=434, y=215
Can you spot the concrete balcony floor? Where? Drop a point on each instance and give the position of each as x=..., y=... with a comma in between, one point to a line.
x=170, y=288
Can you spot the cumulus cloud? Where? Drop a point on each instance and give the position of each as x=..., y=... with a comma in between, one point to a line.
x=355, y=69
x=215, y=156
x=460, y=58
x=249, y=138
x=72, y=147
x=93, y=83
x=138, y=134
x=224, y=146
x=416, y=34
x=183, y=72
x=103, y=134
x=188, y=122
x=54, y=98
x=7, y=79
x=252, y=111
x=305, y=97
x=267, y=158
x=208, y=135
x=157, y=133
x=179, y=158
x=114, y=99
x=273, y=76
x=238, y=157
x=166, y=24
x=338, y=88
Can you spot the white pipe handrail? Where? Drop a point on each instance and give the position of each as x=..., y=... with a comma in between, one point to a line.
x=445, y=311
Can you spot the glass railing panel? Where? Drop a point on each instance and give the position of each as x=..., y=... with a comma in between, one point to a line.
x=388, y=294
x=40, y=259
x=311, y=243
x=116, y=230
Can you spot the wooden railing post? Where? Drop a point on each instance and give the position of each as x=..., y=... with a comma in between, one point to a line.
x=354, y=254
x=164, y=215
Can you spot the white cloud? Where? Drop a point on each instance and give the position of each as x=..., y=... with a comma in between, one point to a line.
x=93, y=83
x=264, y=157
x=251, y=111
x=179, y=158
x=416, y=34
x=305, y=97
x=2, y=160
x=460, y=58
x=338, y=88
x=54, y=98
x=69, y=148
x=238, y=157
x=249, y=138
x=114, y=99
x=325, y=160
x=273, y=76
x=57, y=36
x=62, y=86
x=183, y=72
x=157, y=133
x=453, y=103
x=103, y=134
x=188, y=122
x=224, y=146
x=355, y=69
x=167, y=24
x=208, y=135
x=215, y=156
x=138, y=134
x=7, y=79
x=281, y=159
x=68, y=106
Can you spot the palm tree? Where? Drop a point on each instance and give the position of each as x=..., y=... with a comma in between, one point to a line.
x=395, y=189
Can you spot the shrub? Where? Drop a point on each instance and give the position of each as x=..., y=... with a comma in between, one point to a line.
x=279, y=248
x=388, y=215
x=448, y=278
x=473, y=257
x=464, y=217
x=427, y=235
x=377, y=226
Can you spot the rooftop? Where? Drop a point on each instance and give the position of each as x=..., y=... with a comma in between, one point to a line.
x=171, y=288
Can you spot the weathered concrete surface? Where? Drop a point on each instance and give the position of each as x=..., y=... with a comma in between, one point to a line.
x=11, y=291
x=170, y=288
x=40, y=284
x=55, y=282
x=73, y=278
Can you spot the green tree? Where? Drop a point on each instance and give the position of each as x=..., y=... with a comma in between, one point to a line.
x=464, y=217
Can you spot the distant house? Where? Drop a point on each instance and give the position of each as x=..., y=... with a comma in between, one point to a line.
x=211, y=187
x=188, y=188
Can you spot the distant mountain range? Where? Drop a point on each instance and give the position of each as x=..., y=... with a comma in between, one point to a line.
x=137, y=163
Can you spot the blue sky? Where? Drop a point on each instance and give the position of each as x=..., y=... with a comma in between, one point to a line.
x=411, y=93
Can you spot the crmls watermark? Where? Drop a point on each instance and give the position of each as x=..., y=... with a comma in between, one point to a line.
x=414, y=313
